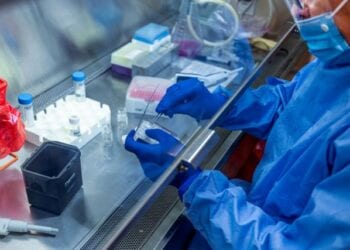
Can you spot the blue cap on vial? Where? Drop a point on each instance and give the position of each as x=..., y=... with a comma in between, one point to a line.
x=25, y=98
x=78, y=76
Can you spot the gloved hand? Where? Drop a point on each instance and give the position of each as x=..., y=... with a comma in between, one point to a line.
x=155, y=158
x=191, y=97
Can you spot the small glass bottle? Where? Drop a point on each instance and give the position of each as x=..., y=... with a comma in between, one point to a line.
x=79, y=78
x=74, y=123
x=25, y=101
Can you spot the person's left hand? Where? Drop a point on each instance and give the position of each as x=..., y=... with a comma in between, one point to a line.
x=154, y=158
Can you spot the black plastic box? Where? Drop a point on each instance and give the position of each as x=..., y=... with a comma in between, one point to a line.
x=52, y=176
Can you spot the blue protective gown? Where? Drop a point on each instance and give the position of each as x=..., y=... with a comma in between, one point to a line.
x=300, y=194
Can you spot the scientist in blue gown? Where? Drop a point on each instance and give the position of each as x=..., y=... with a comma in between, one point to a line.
x=300, y=194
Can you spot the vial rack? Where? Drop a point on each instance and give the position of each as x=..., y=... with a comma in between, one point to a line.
x=52, y=124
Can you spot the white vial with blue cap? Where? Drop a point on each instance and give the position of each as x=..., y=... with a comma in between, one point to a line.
x=79, y=78
x=25, y=101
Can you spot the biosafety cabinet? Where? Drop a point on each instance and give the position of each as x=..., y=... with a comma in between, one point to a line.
x=118, y=207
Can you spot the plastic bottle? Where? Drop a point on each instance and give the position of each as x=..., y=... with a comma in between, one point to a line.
x=79, y=78
x=25, y=101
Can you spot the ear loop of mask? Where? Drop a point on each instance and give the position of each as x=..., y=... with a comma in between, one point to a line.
x=299, y=4
x=341, y=5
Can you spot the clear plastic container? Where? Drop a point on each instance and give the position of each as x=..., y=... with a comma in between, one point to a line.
x=79, y=78
x=25, y=101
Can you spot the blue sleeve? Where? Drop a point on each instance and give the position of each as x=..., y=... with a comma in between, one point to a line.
x=257, y=110
x=221, y=212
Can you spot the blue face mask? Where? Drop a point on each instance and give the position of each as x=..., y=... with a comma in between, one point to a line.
x=323, y=37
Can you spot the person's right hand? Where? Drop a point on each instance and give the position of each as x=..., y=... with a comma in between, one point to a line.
x=192, y=98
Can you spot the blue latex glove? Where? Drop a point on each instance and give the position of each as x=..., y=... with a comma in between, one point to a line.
x=156, y=153
x=192, y=98
x=156, y=158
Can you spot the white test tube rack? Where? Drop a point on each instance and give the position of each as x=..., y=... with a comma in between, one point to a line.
x=52, y=124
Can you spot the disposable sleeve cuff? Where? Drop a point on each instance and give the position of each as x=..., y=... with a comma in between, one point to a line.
x=183, y=188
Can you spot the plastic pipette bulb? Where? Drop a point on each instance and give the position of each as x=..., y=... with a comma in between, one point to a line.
x=7, y=226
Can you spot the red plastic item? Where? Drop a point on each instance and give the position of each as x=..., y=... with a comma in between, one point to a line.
x=244, y=159
x=12, y=133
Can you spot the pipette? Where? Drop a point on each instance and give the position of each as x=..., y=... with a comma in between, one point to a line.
x=148, y=103
x=16, y=226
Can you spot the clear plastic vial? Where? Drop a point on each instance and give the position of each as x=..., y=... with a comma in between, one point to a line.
x=25, y=101
x=141, y=131
x=79, y=78
x=122, y=124
x=107, y=137
x=74, y=123
x=140, y=134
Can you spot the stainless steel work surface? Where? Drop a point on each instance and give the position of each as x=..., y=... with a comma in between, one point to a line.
x=106, y=182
